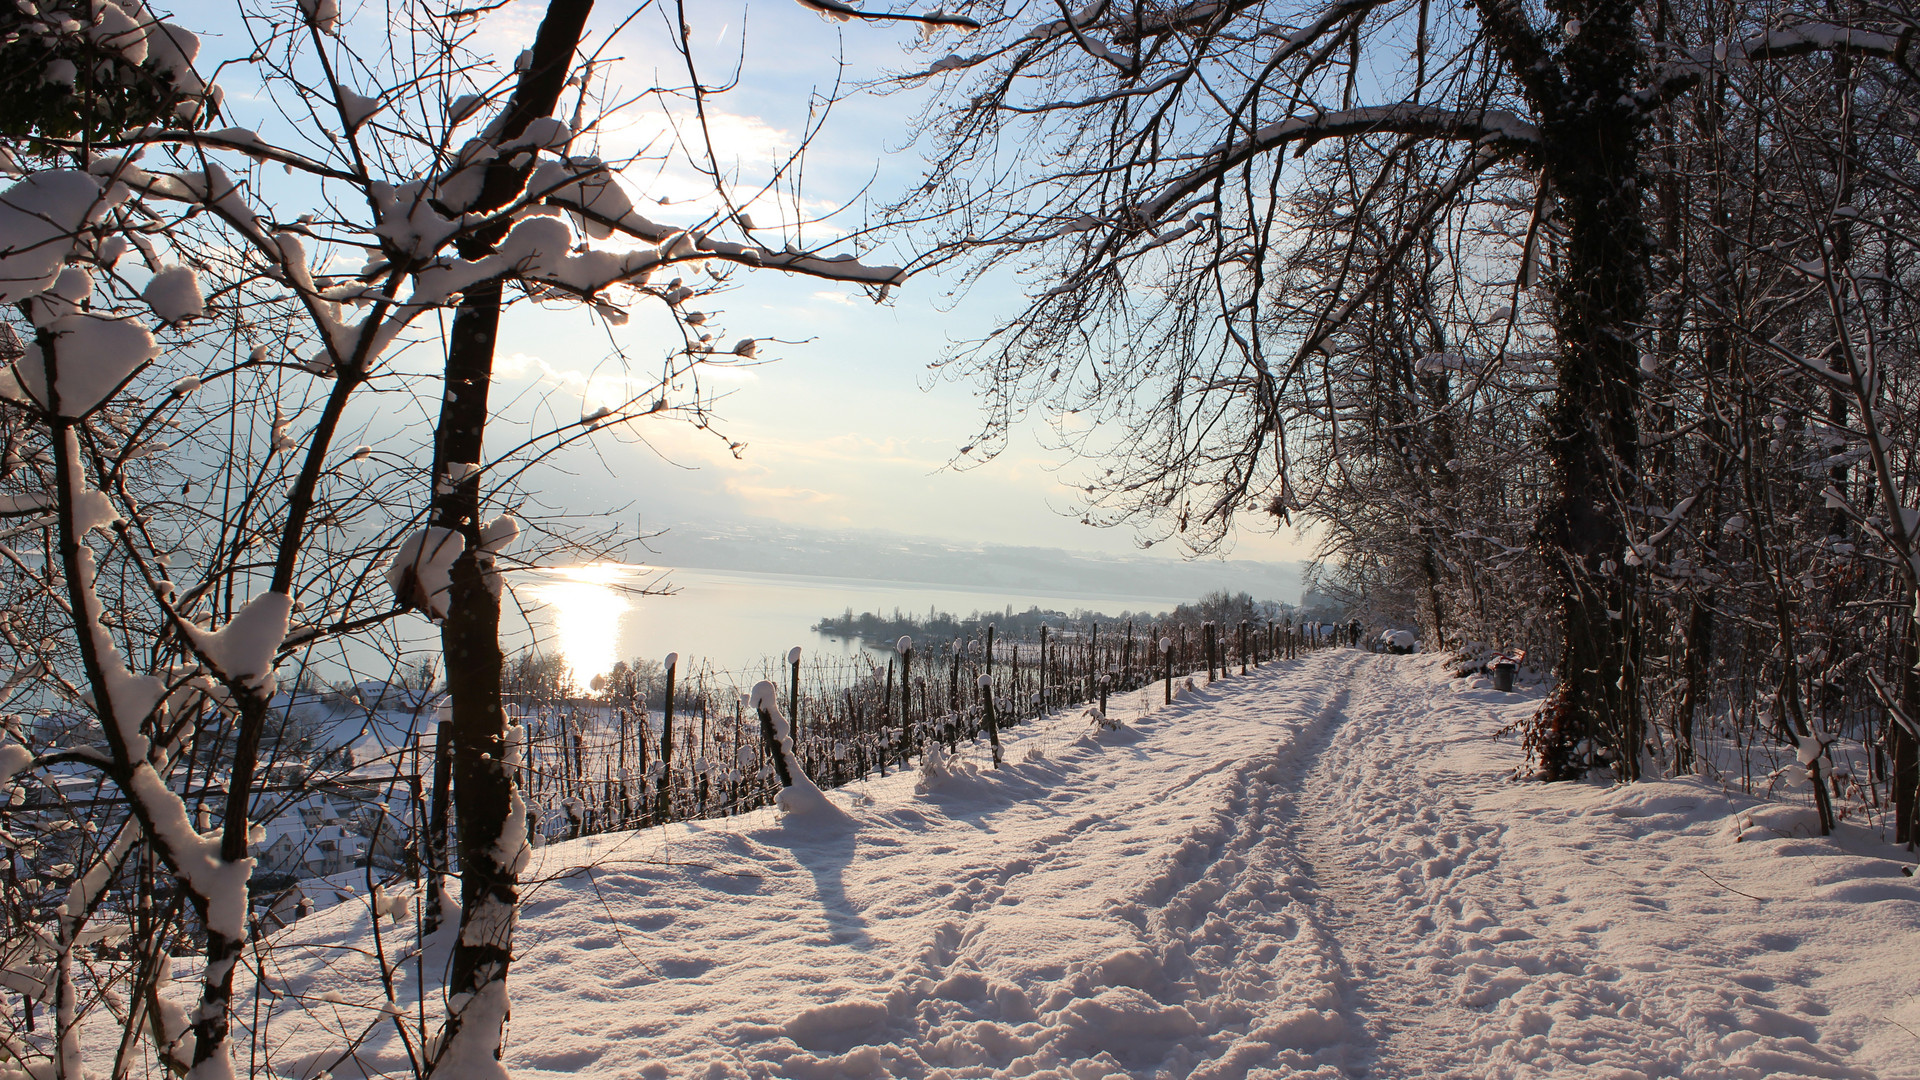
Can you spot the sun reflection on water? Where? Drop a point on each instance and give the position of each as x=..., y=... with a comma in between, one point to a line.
x=583, y=606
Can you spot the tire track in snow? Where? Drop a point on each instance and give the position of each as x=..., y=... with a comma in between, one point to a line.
x=1266, y=969
x=1210, y=965
x=1352, y=807
x=1467, y=955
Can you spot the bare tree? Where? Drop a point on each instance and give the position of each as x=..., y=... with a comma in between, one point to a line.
x=207, y=343
x=1147, y=193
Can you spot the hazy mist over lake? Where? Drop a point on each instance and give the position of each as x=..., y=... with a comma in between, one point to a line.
x=740, y=595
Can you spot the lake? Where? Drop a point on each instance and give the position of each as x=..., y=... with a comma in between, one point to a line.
x=736, y=619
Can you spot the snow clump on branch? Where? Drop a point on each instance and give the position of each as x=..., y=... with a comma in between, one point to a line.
x=421, y=574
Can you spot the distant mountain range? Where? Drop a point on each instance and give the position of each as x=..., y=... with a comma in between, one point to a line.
x=879, y=556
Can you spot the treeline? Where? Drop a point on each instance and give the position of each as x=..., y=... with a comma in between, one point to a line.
x=1756, y=603
x=1592, y=335
x=875, y=628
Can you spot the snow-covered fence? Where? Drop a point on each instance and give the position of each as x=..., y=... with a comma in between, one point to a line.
x=676, y=741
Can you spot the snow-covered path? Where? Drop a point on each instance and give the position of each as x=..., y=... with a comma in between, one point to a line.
x=1319, y=869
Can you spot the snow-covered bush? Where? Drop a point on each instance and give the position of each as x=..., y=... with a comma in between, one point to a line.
x=937, y=768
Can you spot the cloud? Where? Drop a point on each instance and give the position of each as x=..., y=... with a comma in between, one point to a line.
x=771, y=500
x=739, y=142
x=517, y=365
x=667, y=172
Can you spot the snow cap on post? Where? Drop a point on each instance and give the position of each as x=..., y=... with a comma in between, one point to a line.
x=986, y=682
x=1166, y=643
x=793, y=655
x=904, y=645
x=673, y=658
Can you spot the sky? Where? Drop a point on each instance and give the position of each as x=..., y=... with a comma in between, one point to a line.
x=843, y=425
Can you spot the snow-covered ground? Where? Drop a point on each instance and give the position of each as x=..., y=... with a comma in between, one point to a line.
x=1319, y=869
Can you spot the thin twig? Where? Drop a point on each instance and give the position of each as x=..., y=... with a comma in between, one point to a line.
x=1729, y=888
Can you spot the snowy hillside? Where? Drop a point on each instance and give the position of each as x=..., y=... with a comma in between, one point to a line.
x=1319, y=869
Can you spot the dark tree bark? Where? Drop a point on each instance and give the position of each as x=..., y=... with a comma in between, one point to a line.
x=1904, y=747
x=484, y=795
x=663, y=789
x=436, y=845
x=1591, y=158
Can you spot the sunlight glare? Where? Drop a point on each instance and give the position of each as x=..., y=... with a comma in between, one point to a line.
x=583, y=608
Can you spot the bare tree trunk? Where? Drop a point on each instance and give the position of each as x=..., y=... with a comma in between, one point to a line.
x=1592, y=132
x=485, y=798
x=1905, y=748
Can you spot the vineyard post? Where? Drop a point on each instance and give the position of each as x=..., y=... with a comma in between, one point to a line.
x=972, y=669
x=1093, y=651
x=704, y=764
x=1044, y=701
x=793, y=695
x=993, y=725
x=905, y=648
x=1243, y=647
x=737, y=769
x=644, y=728
x=771, y=741
x=886, y=708
x=1014, y=679
x=953, y=699
x=665, y=809
x=1166, y=649
x=625, y=717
